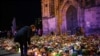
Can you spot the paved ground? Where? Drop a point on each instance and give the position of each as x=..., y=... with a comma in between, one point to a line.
x=5, y=53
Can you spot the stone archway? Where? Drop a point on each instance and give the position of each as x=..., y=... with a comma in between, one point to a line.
x=71, y=19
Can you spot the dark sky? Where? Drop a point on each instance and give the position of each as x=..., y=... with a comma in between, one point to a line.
x=25, y=12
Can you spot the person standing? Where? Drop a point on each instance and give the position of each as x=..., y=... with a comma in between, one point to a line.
x=23, y=36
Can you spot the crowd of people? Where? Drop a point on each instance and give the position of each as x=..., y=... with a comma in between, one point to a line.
x=57, y=45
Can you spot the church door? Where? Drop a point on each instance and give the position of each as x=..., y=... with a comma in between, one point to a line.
x=71, y=17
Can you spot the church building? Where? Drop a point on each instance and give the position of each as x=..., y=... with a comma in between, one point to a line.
x=64, y=16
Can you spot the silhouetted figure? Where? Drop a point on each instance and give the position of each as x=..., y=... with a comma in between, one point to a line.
x=40, y=32
x=79, y=31
x=33, y=30
x=23, y=38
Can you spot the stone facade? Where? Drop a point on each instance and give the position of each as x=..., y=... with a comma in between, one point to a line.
x=62, y=16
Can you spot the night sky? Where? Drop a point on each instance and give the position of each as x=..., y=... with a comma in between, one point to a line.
x=25, y=12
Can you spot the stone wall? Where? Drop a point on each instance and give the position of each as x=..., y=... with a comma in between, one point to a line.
x=49, y=25
x=92, y=19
